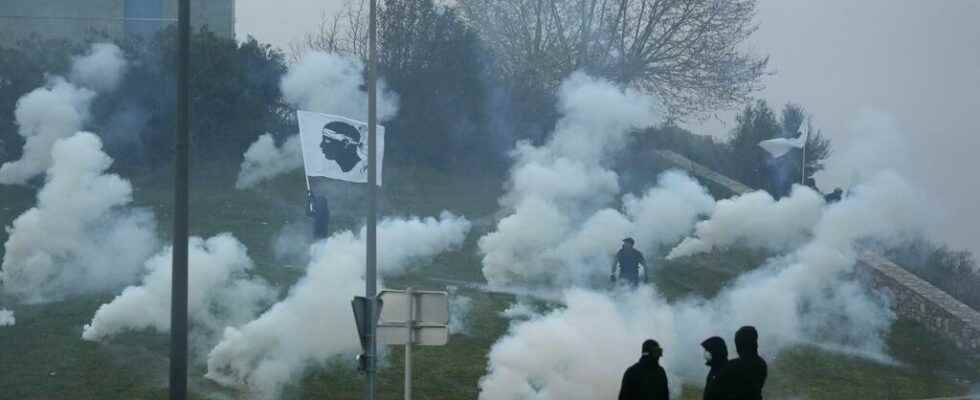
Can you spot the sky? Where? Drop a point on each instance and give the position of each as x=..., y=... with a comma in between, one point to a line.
x=915, y=61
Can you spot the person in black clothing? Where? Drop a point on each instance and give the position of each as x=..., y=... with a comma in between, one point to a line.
x=715, y=357
x=744, y=377
x=646, y=379
x=834, y=196
x=629, y=260
x=320, y=211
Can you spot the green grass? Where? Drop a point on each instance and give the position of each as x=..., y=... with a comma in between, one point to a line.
x=43, y=356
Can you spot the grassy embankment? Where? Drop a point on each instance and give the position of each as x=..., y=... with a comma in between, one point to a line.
x=43, y=357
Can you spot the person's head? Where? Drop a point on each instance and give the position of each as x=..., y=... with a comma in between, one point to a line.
x=628, y=243
x=340, y=142
x=838, y=191
x=652, y=349
x=811, y=183
x=715, y=351
x=747, y=341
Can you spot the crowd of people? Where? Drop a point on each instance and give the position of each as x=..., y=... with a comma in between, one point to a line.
x=741, y=378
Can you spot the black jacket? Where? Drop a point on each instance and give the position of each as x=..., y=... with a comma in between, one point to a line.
x=744, y=377
x=645, y=380
x=719, y=359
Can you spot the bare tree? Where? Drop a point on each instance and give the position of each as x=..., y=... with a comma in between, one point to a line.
x=687, y=52
x=344, y=33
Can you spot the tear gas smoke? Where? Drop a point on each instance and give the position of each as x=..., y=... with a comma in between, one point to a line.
x=519, y=310
x=331, y=83
x=264, y=160
x=756, y=220
x=320, y=82
x=100, y=69
x=80, y=236
x=460, y=308
x=808, y=295
x=560, y=228
x=45, y=115
x=875, y=142
x=314, y=323
x=221, y=294
x=59, y=109
x=7, y=318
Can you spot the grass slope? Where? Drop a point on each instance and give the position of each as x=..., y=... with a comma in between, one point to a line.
x=43, y=357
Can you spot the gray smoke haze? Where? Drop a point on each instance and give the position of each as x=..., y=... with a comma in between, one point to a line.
x=7, y=317
x=460, y=307
x=59, y=109
x=313, y=323
x=221, y=293
x=756, y=220
x=807, y=295
x=81, y=235
x=100, y=69
x=319, y=82
x=912, y=60
x=560, y=226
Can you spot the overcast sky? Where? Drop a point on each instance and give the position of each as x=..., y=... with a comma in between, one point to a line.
x=917, y=61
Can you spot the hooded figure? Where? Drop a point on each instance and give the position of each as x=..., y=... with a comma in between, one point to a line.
x=743, y=377
x=716, y=357
x=646, y=379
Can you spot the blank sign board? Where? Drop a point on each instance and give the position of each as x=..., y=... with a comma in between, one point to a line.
x=397, y=334
x=430, y=307
x=420, y=318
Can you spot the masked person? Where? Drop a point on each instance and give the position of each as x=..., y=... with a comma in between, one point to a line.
x=646, y=379
x=716, y=358
x=629, y=260
x=744, y=377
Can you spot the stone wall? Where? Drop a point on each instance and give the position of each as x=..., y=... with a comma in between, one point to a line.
x=911, y=297
x=918, y=300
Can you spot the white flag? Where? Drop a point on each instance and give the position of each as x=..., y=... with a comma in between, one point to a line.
x=336, y=147
x=778, y=147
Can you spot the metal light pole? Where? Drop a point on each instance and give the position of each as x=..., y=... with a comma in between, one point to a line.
x=178, y=292
x=370, y=276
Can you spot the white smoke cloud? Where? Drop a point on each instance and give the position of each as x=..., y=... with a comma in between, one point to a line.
x=264, y=160
x=100, y=69
x=7, y=317
x=756, y=220
x=221, y=293
x=558, y=192
x=80, y=236
x=320, y=82
x=59, y=109
x=805, y=296
x=45, y=115
x=332, y=84
x=314, y=322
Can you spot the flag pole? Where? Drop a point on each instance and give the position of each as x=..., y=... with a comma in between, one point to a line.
x=179, y=280
x=370, y=276
x=803, y=166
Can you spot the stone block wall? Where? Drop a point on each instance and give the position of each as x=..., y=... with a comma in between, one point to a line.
x=915, y=299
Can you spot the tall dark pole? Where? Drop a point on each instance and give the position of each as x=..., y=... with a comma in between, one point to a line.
x=370, y=276
x=178, y=292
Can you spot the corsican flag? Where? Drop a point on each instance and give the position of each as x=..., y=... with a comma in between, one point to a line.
x=778, y=147
x=336, y=147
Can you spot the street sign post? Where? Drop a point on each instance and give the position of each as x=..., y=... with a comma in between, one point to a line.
x=413, y=317
x=361, y=311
